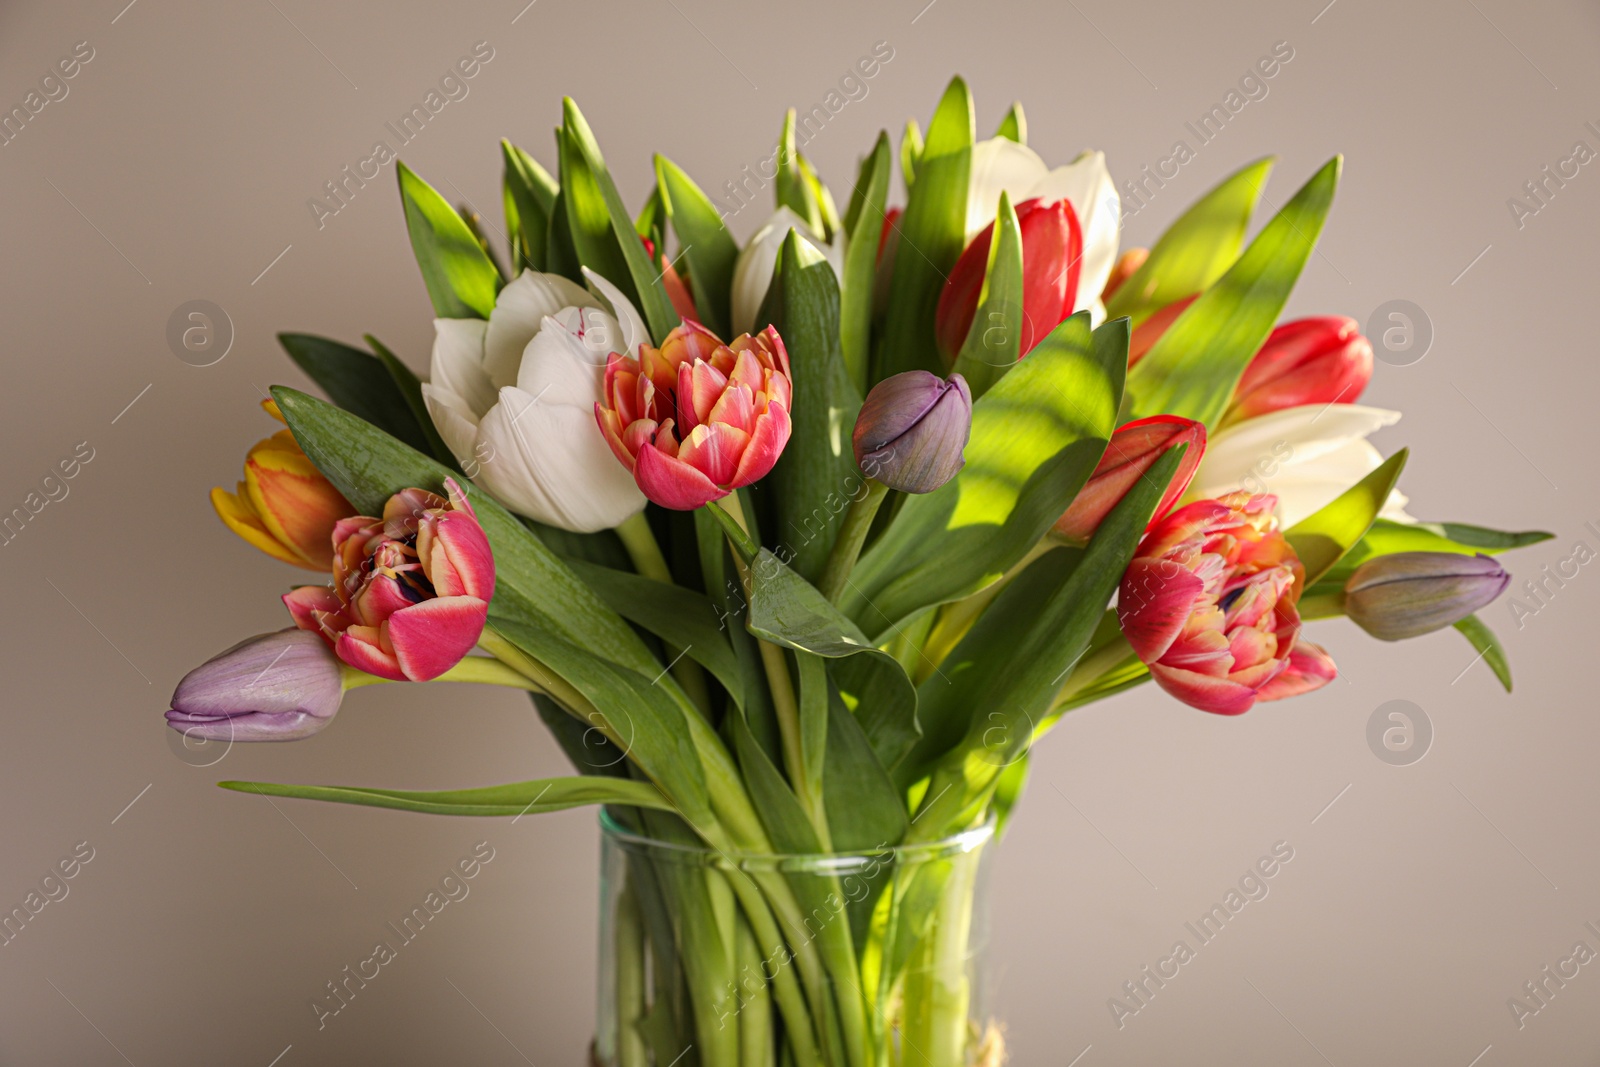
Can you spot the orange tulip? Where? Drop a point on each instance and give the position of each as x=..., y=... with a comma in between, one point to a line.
x=284, y=506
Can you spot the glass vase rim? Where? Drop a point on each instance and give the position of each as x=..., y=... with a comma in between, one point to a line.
x=702, y=854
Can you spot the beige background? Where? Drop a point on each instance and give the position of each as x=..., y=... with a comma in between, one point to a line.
x=179, y=166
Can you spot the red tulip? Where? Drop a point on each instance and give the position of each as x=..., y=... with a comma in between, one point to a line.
x=410, y=590
x=1148, y=332
x=1321, y=360
x=1209, y=603
x=1133, y=450
x=1052, y=254
x=696, y=419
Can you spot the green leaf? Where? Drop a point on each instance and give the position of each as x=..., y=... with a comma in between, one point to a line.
x=827, y=210
x=864, y=808
x=816, y=476
x=979, y=711
x=653, y=728
x=994, y=341
x=1195, y=250
x=679, y=615
x=812, y=678
x=910, y=153
x=1014, y=127
x=560, y=253
x=1322, y=539
x=792, y=191
x=933, y=232
x=708, y=249
x=368, y=466
x=358, y=382
x=1488, y=646
x=863, y=224
x=1195, y=367
x=461, y=278
x=516, y=798
x=1036, y=437
x=532, y=191
x=780, y=810
x=594, y=208
x=1388, y=537
x=787, y=610
x=411, y=389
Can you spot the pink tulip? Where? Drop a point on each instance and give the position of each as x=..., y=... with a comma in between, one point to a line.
x=410, y=591
x=1209, y=603
x=1133, y=450
x=1052, y=255
x=1321, y=360
x=696, y=419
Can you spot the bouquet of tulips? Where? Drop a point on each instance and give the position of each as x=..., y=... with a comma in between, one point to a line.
x=801, y=545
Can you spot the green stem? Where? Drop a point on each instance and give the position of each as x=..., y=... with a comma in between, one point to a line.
x=629, y=934
x=481, y=670
x=852, y=535
x=649, y=561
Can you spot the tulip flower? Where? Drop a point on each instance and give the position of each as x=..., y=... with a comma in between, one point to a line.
x=1052, y=254
x=912, y=429
x=1409, y=594
x=1305, y=456
x=1309, y=361
x=284, y=506
x=1002, y=165
x=1148, y=332
x=697, y=419
x=512, y=398
x=410, y=590
x=1132, y=451
x=752, y=271
x=272, y=687
x=1209, y=604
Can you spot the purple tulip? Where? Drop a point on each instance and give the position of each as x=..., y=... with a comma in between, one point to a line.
x=272, y=687
x=912, y=430
x=1408, y=594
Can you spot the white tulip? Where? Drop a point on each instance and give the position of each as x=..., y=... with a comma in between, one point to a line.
x=1002, y=165
x=752, y=272
x=1306, y=456
x=514, y=399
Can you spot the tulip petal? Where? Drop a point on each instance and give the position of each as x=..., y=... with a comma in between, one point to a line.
x=566, y=362
x=307, y=603
x=431, y=637
x=752, y=271
x=633, y=331
x=236, y=513
x=673, y=483
x=362, y=654
x=1310, y=667
x=251, y=726
x=457, y=425
x=1153, y=603
x=1220, y=696
x=519, y=310
x=459, y=561
x=1087, y=184
x=292, y=499
x=766, y=445
x=999, y=165
x=457, y=364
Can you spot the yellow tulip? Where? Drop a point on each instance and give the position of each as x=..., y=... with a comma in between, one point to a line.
x=284, y=506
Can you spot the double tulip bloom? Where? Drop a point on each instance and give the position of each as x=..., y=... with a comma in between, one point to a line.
x=1209, y=604
x=284, y=506
x=696, y=419
x=411, y=589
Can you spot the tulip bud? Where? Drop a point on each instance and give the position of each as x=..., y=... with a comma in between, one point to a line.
x=1052, y=254
x=912, y=430
x=1133, y=450
x=1408, y=594
x=273, y=687
x=1309, y=361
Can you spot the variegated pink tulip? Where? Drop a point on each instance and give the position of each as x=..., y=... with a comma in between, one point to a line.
x=696, y=419
x=410, y=590
x=1209, y=603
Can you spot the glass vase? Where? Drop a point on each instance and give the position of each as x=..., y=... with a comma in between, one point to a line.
x=852, y=959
